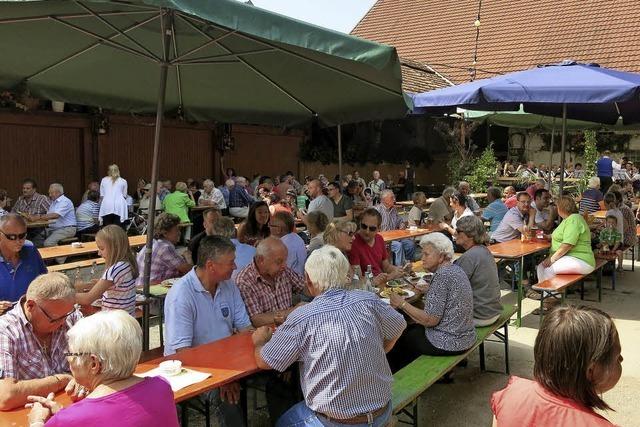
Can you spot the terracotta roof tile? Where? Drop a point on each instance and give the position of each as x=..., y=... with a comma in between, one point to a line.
x=514, y=34
x=418, y=77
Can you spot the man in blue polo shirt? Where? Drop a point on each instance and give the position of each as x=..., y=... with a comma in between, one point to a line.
x=20, y=261
x=495, y=211
x=205, y=306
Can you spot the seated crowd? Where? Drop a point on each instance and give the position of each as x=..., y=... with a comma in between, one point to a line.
x=263, y=273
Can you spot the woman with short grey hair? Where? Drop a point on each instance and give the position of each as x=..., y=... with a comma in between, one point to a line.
x=480, y=267
x=104, y=350
x=445, y=325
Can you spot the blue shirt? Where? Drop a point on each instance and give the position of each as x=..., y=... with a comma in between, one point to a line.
x=494, y=212
x=194, y=317
x=15, y=280
x=63, y=207
x=604, y=165
x=238, y=197
x=296, y=252
x=244, y=256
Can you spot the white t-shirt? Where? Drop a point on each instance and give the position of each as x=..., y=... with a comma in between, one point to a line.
x=454, y=220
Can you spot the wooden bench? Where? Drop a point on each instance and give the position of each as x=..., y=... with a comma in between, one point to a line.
x=556, y=287
x=412, y=380
x=75, y=264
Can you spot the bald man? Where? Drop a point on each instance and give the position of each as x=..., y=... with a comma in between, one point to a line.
x=319, y=202
x=267, y=285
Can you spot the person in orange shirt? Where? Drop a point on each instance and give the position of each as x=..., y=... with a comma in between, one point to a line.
x=568, y=384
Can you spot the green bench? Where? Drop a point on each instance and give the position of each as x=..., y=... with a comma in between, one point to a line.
x=412, y=380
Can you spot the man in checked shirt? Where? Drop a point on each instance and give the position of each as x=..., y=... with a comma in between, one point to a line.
x=340, y=340
x=33, y=342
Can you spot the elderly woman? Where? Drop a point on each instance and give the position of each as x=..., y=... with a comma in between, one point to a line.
x=104, y=350
x=179, y=202
x=316, y=223
x=591, y=197
x=166, y=263
x=458, y=203
x=445, y=326
x=416, y=213
x=578, y=358
x=570, y=244
x=480, y=267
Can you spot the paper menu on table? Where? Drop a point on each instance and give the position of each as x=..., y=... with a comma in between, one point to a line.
x=184, y=379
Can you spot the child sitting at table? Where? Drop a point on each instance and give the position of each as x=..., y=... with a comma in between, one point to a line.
x=117, y=286
x=610, y=238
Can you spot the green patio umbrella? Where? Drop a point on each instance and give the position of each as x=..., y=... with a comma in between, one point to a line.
x=206, y=60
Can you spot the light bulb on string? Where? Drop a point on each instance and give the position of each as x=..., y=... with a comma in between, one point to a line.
x=477, y=23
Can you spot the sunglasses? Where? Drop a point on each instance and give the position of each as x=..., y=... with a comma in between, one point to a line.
x=13, y=237
x=349, y=233
x=371, y=228
x=57, y=319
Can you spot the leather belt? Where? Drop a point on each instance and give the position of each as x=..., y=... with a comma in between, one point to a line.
x=359, y=419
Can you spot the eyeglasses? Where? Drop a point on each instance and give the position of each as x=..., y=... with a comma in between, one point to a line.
x=57, y=319
x=371, y=228
x=349, y=233
x=14, y=237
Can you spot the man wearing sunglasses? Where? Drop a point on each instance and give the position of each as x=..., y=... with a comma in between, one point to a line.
x=20, y=261
x=368, y=248
x=33, y=340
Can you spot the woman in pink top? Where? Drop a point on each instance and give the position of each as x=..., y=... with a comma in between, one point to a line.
x=104, y=352
x=577, y=358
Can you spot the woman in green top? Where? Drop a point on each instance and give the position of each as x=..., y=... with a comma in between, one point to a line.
x=570, y=244
x=179, y=202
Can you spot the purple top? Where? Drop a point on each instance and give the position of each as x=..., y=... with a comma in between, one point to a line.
x=146, y=404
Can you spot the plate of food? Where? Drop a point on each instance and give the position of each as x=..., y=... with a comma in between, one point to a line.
x=396, y=283
x=405, y=293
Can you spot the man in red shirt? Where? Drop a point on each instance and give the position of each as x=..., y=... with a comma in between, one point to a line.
x=510, y=199
x=368, y=248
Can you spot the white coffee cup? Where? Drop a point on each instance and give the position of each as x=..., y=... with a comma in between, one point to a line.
x=170, y=367
x=76, y=245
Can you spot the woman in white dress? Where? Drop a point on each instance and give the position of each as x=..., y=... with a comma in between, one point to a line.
x=113, y=196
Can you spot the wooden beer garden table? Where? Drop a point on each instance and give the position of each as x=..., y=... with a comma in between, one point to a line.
x=227, y=360
x=87, y=248
x=600, y=214
x=40, y=224
x=392, y=235
x=515, y=250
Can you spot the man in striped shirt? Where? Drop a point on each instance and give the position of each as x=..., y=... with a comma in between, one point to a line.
x=340, y=340
x=33, y=342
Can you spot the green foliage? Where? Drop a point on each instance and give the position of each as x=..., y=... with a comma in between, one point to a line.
x=484, y=169
x=590, y=157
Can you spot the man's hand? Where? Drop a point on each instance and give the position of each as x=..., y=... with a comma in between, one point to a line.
x=75, y=391
x=380, y=280
x=4, y=306
x=261, y=336
x=546, y=263
x=230, y=393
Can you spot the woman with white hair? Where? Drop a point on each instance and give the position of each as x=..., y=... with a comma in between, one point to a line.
x=103, y=353
x=592, y=197
x=113, y=198
x=445, y=326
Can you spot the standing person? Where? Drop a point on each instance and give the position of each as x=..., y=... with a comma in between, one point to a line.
x=577, y=358
x=20, y=261
x=605, y=167
x=410, y=179
x=117, y=286
x=344, y=375
x=61, y=210
x=113, y=195
x=342, y=205
x=376, y=185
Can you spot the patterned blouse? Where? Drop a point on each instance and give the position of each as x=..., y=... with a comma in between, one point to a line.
x=629, y=237
x=451, y=299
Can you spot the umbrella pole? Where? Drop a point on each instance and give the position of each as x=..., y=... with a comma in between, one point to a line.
x=553, y=134
x=340, y=151
x=563, y=146
x=164, y=70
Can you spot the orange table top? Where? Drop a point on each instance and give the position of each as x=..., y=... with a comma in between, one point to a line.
x=517, y=249
x=391, y=235
x=227, y=360
x=87, y=248
x=600, y=214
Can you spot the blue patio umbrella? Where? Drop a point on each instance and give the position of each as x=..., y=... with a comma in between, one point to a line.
x=569, y=90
